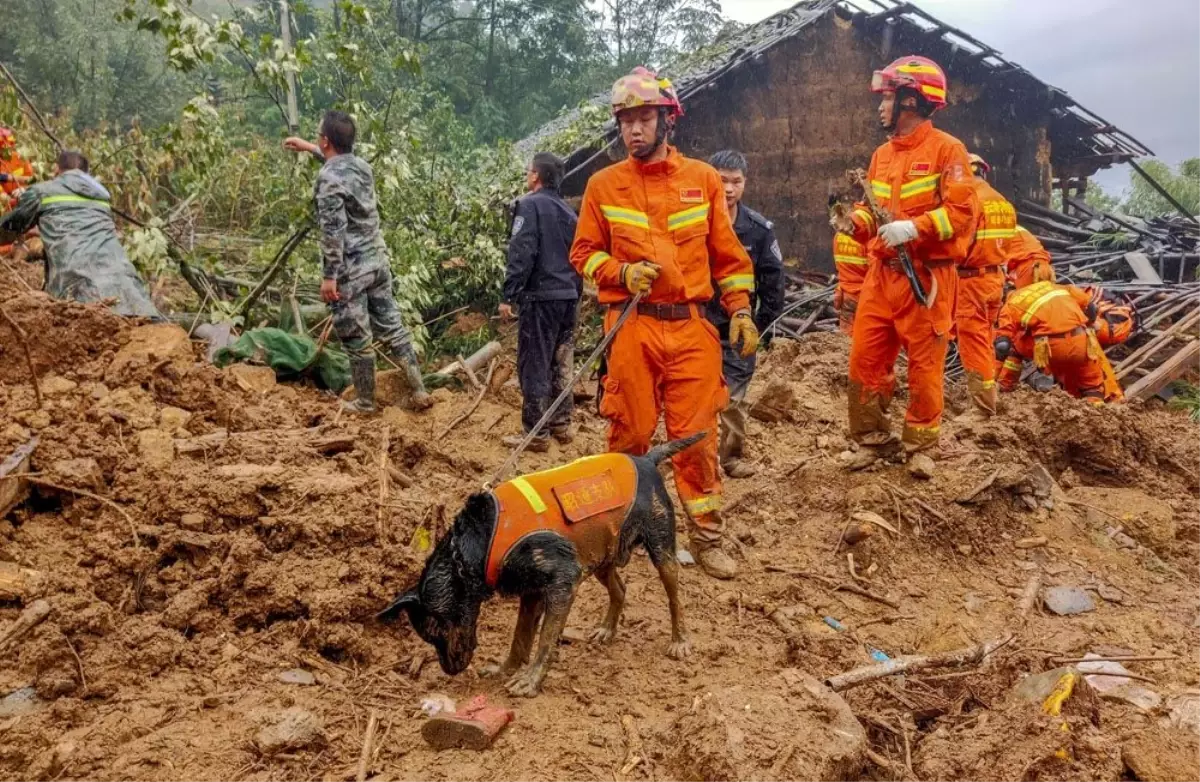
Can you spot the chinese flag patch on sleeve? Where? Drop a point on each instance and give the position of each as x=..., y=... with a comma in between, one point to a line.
x=691, y=195
x=920, y=169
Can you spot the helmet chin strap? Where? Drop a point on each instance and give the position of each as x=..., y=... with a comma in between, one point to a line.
x=660, y=136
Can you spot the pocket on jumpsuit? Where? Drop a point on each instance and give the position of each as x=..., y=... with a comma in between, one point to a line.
x=612, y=406
x=629, y=243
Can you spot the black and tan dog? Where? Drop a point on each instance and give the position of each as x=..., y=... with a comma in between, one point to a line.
x=536, y=537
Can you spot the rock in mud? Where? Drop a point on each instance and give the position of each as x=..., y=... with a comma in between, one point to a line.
x=174, y=420
x=157, y=448
x=19, y=702
x=921, y=466
x=788, y=727
x=54, y=385
x=253, y=378
x=1162, y=755
x=775, y=404
x=77, y=474
x=1185, y=711
x=1147, y=520
x=292, y=729
x=147, y=346
x=297, y=676
x=1068, y=600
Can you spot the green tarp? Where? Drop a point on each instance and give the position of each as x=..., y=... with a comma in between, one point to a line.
x=290, y=355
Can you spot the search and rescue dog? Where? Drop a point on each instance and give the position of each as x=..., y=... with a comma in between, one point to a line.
x=536, y=537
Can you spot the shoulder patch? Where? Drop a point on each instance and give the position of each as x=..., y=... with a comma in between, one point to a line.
x=691, y=195
x=920, y=169
x=518, y=224
x=776, y=251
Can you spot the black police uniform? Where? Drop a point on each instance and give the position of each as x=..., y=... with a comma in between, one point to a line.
x=542, y=283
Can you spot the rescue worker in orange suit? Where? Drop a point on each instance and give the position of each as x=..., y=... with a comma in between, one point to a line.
x=1028, y=261
x=656, y=223
x=850, y=261
x=15, y=175
x=1114, y=322
x=923, y=178
x=981, y=289
x=1048, y=323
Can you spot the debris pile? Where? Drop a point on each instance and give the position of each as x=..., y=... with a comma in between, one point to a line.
x=189, y=575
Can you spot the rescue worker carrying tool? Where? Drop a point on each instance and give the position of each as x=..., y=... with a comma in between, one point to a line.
x=922, y=177
x=757, y=235
x=657, y=223
x=357, y=278
x=850, y=260
x=1048, y=323
x=542, y=282
x=1028, y=261
x=84, y=258
x=981, y=289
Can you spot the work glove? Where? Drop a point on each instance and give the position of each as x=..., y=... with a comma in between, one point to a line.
x=1003, y=347
x=898, y=232
x=743, y=331
x=638, y=277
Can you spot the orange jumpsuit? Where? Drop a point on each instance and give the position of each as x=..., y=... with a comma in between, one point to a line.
x=13, y=165
x=850, y=260
x=1113, y=322
x=924, y=177
x=1028, y=261
x=981, y=292
x=667, y=357
x=1046, y=322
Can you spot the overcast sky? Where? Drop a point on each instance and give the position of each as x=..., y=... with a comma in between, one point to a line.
x=1136, y=63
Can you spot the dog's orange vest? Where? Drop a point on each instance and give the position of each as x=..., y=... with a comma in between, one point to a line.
x=585, y=501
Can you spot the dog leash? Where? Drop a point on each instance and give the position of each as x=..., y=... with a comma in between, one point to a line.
x=568, y=389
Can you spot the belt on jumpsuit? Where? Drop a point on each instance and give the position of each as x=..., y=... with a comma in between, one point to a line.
x=662, y=311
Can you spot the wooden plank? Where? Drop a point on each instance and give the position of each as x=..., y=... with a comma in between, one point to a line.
x=1185, y=360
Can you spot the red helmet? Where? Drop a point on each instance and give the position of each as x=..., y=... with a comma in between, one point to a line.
x=918, y=73
x=642, y=87
x=7, y=139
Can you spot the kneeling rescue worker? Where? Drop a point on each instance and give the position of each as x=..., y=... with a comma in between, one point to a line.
x=656, y=223
x=1049, y=324
x=923, y=178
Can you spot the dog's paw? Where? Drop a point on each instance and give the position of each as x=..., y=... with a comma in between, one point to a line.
x=680, y=650
x=526, y=684
x=495, y=670
x=602, y=634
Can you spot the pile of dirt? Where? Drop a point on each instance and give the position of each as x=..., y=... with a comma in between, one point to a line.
x=213, y=547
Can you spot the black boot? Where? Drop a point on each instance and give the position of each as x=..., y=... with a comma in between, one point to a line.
x=363, y=372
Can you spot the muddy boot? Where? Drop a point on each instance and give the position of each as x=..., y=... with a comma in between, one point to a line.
x=536, y=445
x=418, y=397
x=738, y=468
x=362, y=370
x=713, y=560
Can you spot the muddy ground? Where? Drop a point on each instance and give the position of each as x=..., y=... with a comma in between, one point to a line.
x=216, y=563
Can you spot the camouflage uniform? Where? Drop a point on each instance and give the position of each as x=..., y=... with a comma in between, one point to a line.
x=84, y=259
x=356, y=257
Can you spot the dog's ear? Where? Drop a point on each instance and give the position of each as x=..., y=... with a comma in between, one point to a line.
x=404, y=601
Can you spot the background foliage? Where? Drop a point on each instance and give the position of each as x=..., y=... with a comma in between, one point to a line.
x=180, y=104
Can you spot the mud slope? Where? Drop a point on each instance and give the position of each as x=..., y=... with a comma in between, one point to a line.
x=248, y=530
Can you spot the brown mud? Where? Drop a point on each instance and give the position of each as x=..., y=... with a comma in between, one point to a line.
x=233, y=559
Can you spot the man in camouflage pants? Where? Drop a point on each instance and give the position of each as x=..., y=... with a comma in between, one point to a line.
x=357, y=280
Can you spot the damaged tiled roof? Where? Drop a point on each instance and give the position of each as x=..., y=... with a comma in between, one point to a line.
x=1080, y=135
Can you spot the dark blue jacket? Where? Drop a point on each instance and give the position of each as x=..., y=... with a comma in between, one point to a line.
x=757, y=235
x=539, y=249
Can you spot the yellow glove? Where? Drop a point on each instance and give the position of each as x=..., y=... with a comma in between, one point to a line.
x=638, y=277
x=742, y=330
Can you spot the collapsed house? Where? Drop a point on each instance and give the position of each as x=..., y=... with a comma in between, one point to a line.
x=791, y=92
